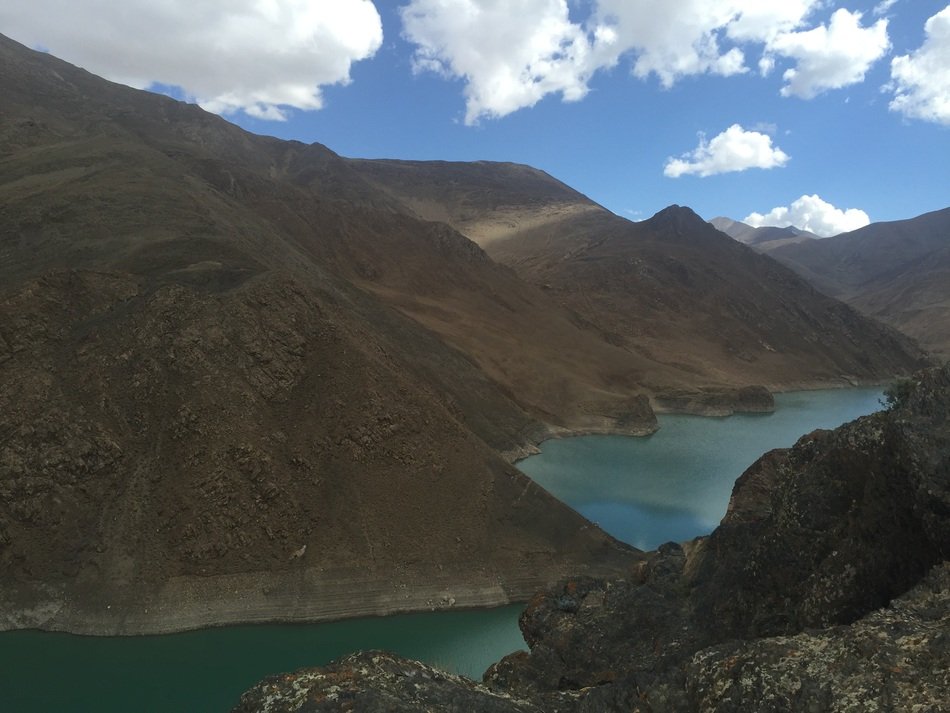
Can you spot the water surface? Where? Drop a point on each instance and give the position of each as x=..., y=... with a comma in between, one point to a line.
x=675, y=484
x=206, y=671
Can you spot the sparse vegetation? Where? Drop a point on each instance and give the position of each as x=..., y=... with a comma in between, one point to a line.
x=897, y=393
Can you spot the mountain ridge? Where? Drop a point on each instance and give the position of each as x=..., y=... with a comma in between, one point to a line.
x=557, y=239
x=193, y=391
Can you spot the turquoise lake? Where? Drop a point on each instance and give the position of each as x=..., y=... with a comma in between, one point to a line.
x=673, y=485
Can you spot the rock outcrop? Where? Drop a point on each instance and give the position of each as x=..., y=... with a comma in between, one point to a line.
x=716, y=402
x=826, y=587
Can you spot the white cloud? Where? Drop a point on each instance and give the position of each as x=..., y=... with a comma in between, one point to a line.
x=813, y=214
x=251, y=55
x=680, y=38
x=921, y=80
x=511, y=53
x=883, y=7
x=830, y=56
x=735, y=149
x=669, y=39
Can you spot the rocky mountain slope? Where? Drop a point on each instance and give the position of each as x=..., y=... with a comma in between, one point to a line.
x=670, y=290
x=826, y=587
x=205, y=414
x=898, y=272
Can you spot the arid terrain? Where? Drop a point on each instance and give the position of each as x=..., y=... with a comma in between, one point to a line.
x=244, y=378
x=896, y=271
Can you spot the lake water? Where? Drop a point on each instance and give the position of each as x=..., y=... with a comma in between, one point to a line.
x=206, y=671
x=673, y=485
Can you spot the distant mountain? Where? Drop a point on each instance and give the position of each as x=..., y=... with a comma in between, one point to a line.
x=898, y=272
x=763, y=239
x=672, y=291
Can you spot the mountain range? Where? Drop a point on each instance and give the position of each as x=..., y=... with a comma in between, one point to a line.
x=895, y=271
x=245, y=378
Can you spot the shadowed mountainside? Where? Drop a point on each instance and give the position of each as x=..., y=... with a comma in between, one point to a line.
x=898, y=272
x=671, y=290
x=205, y=414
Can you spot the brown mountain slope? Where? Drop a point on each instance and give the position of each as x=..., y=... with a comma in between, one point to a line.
x=205, y=417
x=898, y=272
x=671, y=290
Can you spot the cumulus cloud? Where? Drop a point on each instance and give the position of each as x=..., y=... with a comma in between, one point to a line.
x=511, y=53
x=830, y=56
x=669, y=39
x=921, y=80
x=259, y=56
x=735, y=149
x=813, y=214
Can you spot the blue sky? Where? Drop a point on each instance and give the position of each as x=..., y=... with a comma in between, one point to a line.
x=459, y=80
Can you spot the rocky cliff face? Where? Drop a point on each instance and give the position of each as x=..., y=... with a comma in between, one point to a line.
x=826, y=587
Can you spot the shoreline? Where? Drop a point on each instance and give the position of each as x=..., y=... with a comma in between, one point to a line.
x=551, y=432
x=308, y=596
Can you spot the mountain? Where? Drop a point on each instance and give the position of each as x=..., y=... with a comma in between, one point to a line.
x=206, y=414
x=764, y=238
x=898, y=272
x=670, y=291
x=244, y=378
x=825, y=587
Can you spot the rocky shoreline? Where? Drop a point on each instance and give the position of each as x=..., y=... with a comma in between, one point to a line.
x=310, y=595
x=826, y=587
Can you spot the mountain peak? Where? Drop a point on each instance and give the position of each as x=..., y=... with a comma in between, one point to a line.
x=680, y=219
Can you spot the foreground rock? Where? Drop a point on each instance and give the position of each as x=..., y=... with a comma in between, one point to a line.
x=895, y=659
x=375, y=681
x=826, y=587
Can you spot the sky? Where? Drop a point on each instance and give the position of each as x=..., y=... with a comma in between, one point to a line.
x=816, y=113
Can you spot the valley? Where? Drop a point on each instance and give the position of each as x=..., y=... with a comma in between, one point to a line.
x=246, y=380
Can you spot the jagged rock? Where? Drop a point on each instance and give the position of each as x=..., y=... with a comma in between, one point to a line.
x=816, y=536
x=895, y=659
x=375, y=682
x=717, y=402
